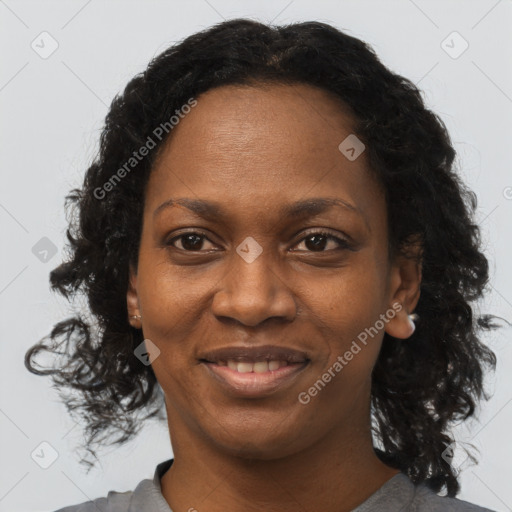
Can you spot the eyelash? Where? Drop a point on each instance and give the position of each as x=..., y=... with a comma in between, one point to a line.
x=343, y=244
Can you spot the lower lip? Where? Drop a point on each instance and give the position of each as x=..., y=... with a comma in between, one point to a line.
x=252, y=384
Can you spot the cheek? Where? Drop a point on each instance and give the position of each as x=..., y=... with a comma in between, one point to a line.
x=345, y=309
x=172, y=303
x=349, y=299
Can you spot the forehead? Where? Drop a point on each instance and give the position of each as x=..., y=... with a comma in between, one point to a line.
x=253, y=147
x=292, y=121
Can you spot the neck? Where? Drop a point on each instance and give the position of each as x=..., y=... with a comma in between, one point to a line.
x=336, y=474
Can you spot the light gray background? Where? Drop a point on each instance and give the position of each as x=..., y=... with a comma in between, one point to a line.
x=52, y=113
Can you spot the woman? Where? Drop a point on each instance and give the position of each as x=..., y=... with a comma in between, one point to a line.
x=277, y=250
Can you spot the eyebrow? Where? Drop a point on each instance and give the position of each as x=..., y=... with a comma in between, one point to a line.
x=305, y=208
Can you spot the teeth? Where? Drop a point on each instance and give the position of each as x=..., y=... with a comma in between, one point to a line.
x=260, y=367
x=244, y=367
x=273, y=365
x=257, y=367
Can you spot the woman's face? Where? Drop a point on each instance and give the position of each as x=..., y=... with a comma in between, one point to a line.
x=253, y=274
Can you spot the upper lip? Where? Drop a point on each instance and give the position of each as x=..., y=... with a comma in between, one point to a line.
x=255, y=353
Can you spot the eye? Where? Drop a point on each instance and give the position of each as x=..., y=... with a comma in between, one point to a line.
x=314, y=241
x=191, y=241
x=318, y=240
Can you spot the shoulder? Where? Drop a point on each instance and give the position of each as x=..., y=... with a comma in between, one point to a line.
x=114, y=502
x=401, y=494
x=147, y=496
x=425, y=500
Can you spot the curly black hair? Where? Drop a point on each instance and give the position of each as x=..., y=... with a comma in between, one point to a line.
x=419, y=387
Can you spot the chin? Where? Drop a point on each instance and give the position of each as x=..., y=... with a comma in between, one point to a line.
x=261, y=442
x=264, y=451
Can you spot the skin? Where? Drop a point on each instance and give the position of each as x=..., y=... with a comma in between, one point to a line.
x=253, y=150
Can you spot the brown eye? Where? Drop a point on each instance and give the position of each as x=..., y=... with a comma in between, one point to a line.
x=318, y=241
x=189, y=241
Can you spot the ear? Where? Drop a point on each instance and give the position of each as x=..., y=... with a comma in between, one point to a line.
x=132, y=298
x=404, y=288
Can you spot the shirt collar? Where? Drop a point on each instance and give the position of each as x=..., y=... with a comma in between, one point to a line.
x=394, y=494
x=148, y=494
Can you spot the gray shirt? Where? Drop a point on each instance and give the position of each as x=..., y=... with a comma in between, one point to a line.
x=398, y=494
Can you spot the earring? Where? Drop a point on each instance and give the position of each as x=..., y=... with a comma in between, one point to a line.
x=413, y=317
x=136, y=317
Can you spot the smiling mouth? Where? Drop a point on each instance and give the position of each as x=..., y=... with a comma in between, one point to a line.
x=252, y=366
x=254, y=379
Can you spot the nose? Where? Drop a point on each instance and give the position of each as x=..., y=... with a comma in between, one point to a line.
x=251, y=293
